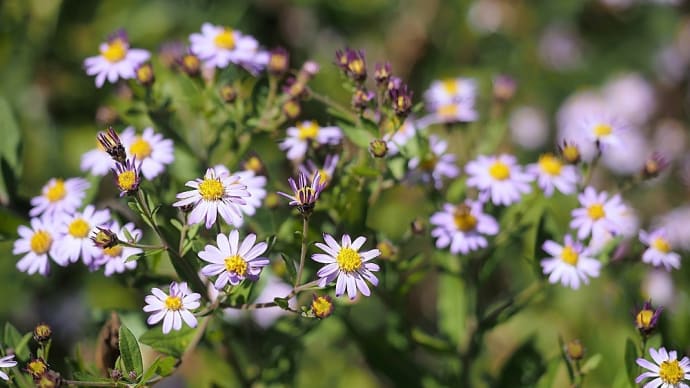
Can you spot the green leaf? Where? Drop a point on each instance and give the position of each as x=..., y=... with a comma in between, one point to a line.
x=451, y=307
x=14, y=339
x=129, y=351
x=359, y=136
x=566, y=360
x=548, y=378
x=283, y=303
x=631, y=356
x=162, y=366
x=22, y=347
x=524, y=368
x=10, y=146
x=290, y=266
x=173, y=343
x=591, y=363
x=366, y=171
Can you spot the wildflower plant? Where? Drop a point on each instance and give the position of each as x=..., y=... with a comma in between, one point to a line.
x=391, y=194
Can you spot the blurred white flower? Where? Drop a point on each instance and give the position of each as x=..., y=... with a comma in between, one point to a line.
x=529, y=127
x=677, y=227
x=559, y=48
x=629, y=156
x=630, y=97
x=658, y=286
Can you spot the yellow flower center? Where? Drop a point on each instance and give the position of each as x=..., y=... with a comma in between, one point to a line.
x=225, y=39
x=115, y=251
x=356, y=66
x=57, y=191
x=596, y=211
x=464, y=220
x=211, y=189
x=36, y=367
x=321, y=307
x=254, y=164
x=40, y=242
x=499, y=171
x=429, y=163
x=140, y=148
x=602, y=130
x=308, y=194
x=79, y=228
x=450, y=86
x=644, y=318
x=116, y=51
x=448, y=110
x=236, y=264
x=127, y=180
x=550, y=164
x=323, y=176
x=173, y=303
x=569, y=255
x=671, y=372
x=661, y=245
x=349, y=260
x=571, y=153
x=308, y=131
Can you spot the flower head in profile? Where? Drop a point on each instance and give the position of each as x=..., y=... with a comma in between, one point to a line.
x=436, y=164
x=463, y=227
x=322, y=306
x=233, y=261
x=116, y=60
x=36, y=243
x=74, y=231
x=306, y=133
x=172, y=308
x=344, y=263
x=499, y=178
x=59, y=196
x=451, y=100
x=150, y=149
x=114, y=258
x=659, y=250
x=310, y=169
x=646, y=319
x=666, y=371
x=7, y=362
x=127, y=176
x=570, y=263
x=551, y=173
x=305, y=192
x=109, y=149
x=219, y=46
x=598, y=213
x=604, y=131
x=212, y=195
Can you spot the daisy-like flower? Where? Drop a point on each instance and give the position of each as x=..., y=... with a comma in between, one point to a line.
x=305, y=133
x=233, y=261
x=173, y=308
x=7, y=362
x=659, y=251
x=598, y=213
x=570, y=263
x=451, y=112
x=398, y=138
x=602, y=130
x=115, y=258
x=499, y=178
x=551, y=173
x=256, y=186
x=151, y=149
x=437, y=164
x=59, y=196
x=463, y=227
x=37, y=242
x=74, y=230
x=219, y=46
x=117, y=60
x=666, y=370
x=450, y=91
x=310, y=169
x=212, y=195
x=127, y=176
x=344, y=262
x=305, y=193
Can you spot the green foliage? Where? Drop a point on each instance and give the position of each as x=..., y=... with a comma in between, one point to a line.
x=129, y=352
x=172, y=344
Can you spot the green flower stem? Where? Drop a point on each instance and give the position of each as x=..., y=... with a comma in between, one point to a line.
x=254, y=306
x=336, y=106
x=145, y=247
x=183, y=234
x=303, y=250
x=591, y=167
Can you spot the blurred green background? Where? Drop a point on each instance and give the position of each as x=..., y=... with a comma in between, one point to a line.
x=47, y=95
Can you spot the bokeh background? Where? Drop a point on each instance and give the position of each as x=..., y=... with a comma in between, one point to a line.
x=629, y=56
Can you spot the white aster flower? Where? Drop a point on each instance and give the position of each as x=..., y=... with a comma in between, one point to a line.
x=219, y=46
x=449, y=91
x=37, y=242
x=233, y=261
x=97, y=161
x=117, y=60
x=306, y=133
x=551, y=173
x=462, y=227
x=675, y=223
x=151, y=150
x=437, y=164
x=499, y=178
x=598, y=212
x=310, y=169
x=212, y=195
x=59, y=196
x=74, y=230
x=659, y=251
x=603, y=130
x=570, y=263
x=173, y=308
x=666, y=370
x=7, y=362
x=256, y=186
x=345, y=263
x=115, y=258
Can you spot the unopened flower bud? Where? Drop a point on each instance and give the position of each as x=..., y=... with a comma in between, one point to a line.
x=654, y=165
x=132, y=375
x=254, y=163
x=115, y=374
x=361, y=99
x=388, y=250
x=352, y=62
x=272, y=200
x=569, y=152
x=575, y=350
x=106, y=115
x=322, y=306
x=504, y=87
x=418, y=226
x=382, y=73
x=228, y=93
x=49, y=379
x=647, y=319
x=36, y=367
x=402, y=100
x=378, y=148
x=111, y=144
x=310, y=68
x=292, y=109
x=278, y=62
x=42, y=332
x=104, y=238
x=190, y=64
x=145, y=74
